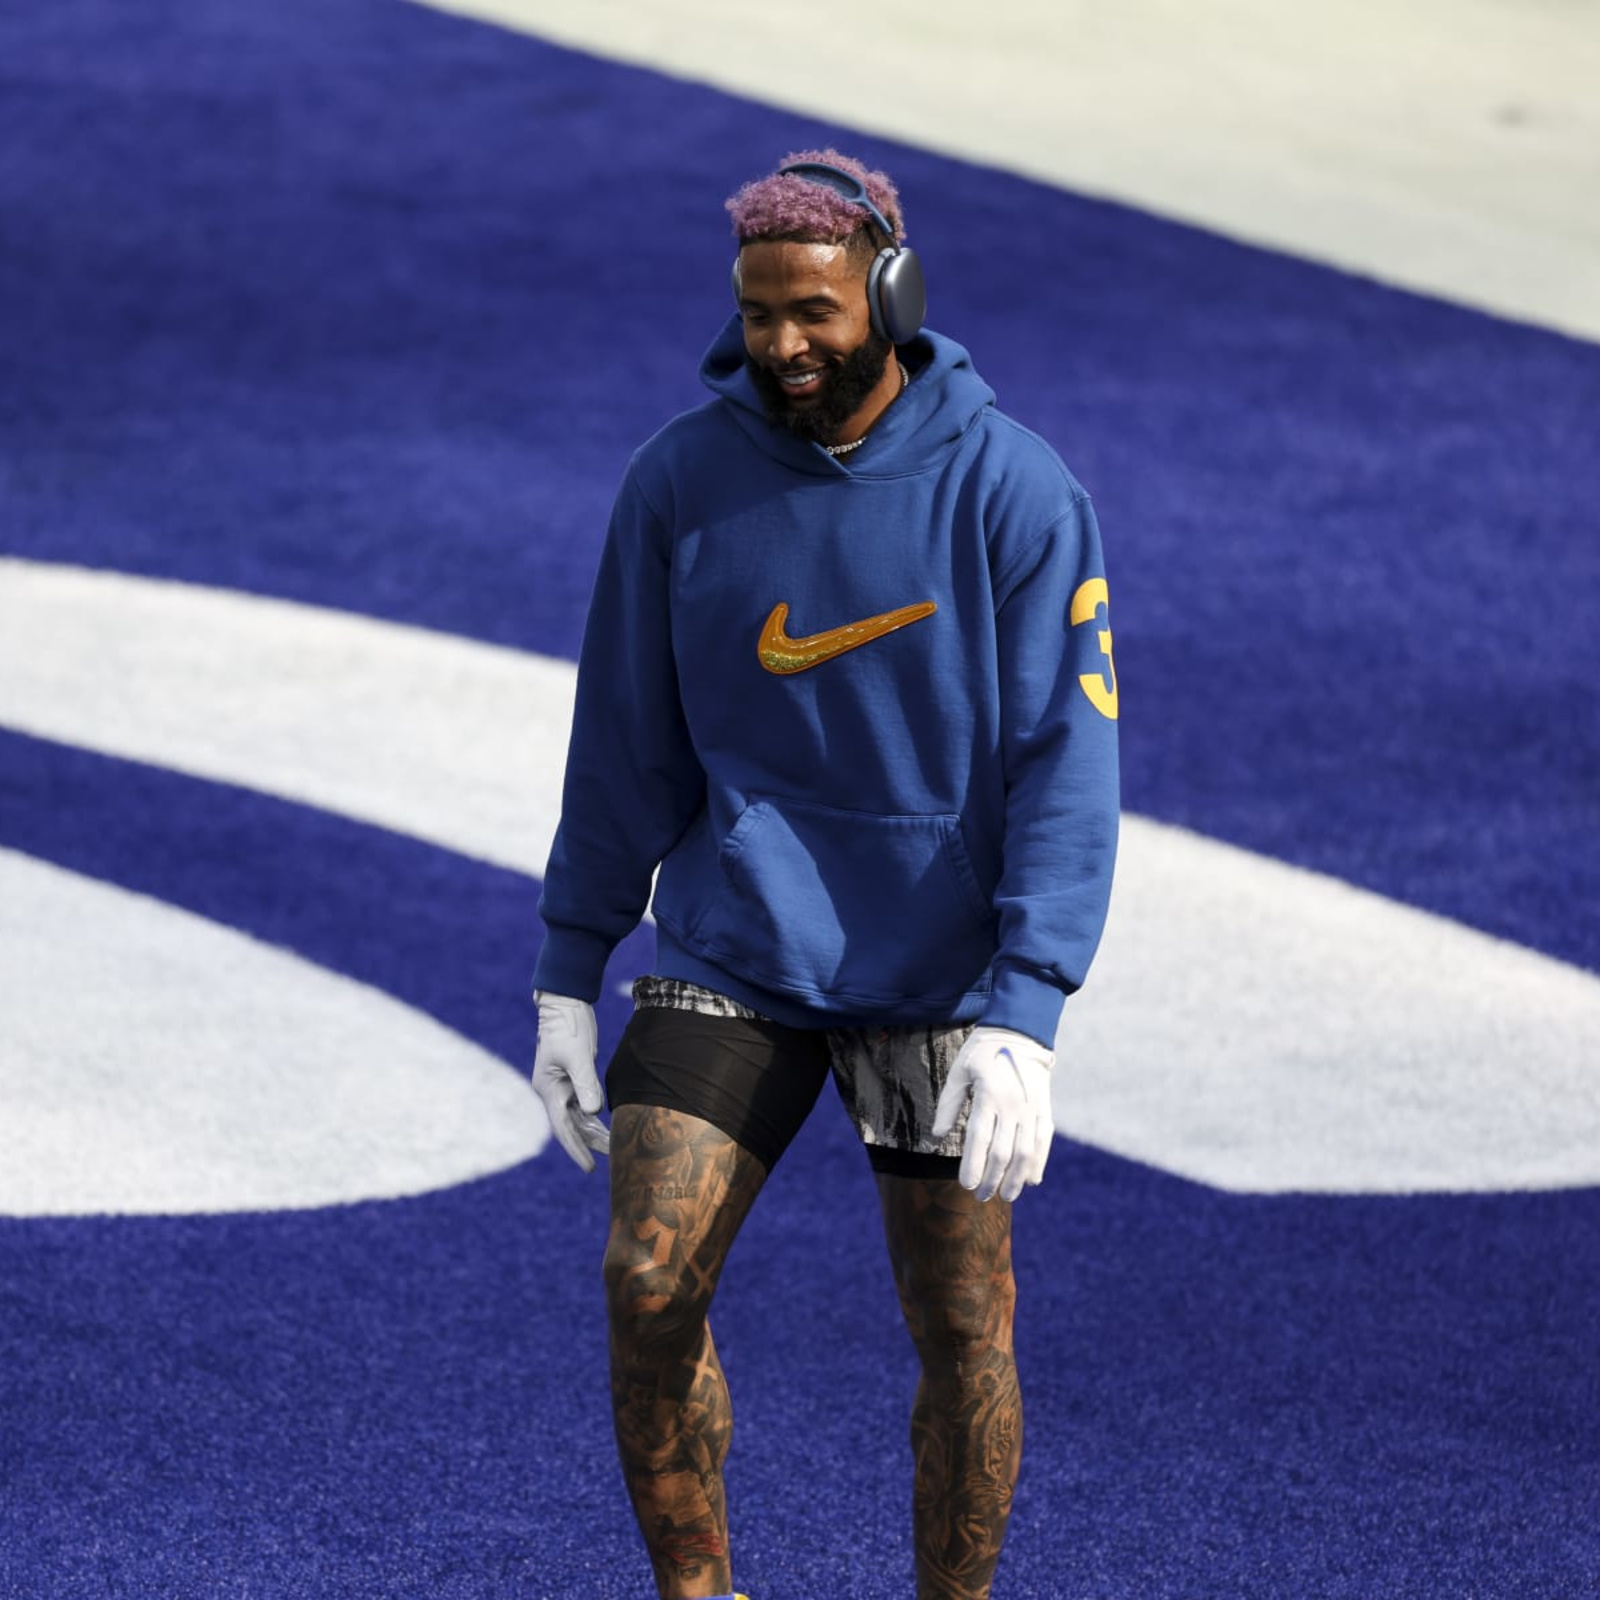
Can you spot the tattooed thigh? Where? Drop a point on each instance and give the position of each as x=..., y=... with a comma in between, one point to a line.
x=680, y=1190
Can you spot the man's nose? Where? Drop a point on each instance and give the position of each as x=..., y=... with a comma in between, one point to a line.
x=788, y=342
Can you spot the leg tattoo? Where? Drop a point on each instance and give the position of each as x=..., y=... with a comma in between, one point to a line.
x=952, y=1261
x=680, y=1189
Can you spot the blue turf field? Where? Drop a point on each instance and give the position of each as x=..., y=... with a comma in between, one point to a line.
x=363, y=306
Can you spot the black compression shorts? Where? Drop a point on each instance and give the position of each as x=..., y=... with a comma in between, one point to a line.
x=687, y=1049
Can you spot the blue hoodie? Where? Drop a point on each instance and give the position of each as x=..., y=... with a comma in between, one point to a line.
x=910, y=822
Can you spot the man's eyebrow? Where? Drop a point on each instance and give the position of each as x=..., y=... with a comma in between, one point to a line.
x=818, y=301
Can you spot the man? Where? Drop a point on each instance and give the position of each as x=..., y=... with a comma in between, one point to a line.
x=847, y=683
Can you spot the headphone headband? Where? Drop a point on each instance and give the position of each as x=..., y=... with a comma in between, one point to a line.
x=845, y=184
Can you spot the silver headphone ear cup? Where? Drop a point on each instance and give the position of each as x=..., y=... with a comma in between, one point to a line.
x=737, y=287
x=875, y=291
x=896, y=295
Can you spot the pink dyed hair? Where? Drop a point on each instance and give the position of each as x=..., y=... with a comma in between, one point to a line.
x=787, y=206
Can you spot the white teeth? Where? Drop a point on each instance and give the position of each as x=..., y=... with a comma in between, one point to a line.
x=798, y=380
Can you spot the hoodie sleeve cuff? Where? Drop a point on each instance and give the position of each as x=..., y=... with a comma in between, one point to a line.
x=1025, y=1003
x=573, y=963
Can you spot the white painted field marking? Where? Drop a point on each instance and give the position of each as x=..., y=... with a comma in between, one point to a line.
x=428, y=734
x=1258, y=1027
x=154, y=1062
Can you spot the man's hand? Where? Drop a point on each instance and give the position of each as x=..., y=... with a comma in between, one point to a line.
x=564, y=1077
x=1010, y=1127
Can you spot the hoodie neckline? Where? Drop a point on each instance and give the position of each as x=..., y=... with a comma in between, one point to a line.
x=926, y=421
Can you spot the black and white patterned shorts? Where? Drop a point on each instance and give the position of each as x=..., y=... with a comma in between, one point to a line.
x=694, y=1050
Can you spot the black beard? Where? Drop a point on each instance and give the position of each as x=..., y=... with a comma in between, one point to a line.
x=846, y=386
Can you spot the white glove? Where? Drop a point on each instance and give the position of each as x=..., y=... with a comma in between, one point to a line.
x=564, y=1076
x=1010, y=1126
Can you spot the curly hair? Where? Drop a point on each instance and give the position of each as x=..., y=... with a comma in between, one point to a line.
x=787, y=206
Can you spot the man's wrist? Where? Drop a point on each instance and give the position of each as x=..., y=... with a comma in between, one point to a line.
x=572, y=963
x=1024, y=1003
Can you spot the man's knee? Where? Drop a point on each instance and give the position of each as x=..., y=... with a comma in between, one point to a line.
x=952, y=1267
x=959, y=1319
x=653, y=1306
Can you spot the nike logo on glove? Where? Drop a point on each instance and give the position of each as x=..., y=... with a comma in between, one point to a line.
x=781, y=654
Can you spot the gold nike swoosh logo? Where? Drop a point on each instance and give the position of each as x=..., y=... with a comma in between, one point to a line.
x=781, y=654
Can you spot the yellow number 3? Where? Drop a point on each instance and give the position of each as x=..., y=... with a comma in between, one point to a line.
x=1100, y=688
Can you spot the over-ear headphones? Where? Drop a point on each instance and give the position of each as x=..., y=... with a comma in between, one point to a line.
x=897, y=300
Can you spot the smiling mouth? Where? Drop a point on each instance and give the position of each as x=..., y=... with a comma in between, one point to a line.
x=800, y=383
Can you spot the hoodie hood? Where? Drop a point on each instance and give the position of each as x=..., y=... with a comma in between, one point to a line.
x=935, y=411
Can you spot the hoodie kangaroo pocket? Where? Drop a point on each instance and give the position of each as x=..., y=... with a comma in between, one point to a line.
x=860, y=908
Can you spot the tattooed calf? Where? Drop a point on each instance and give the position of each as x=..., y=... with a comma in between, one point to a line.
x=679, y=1191
x=952, y=1261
